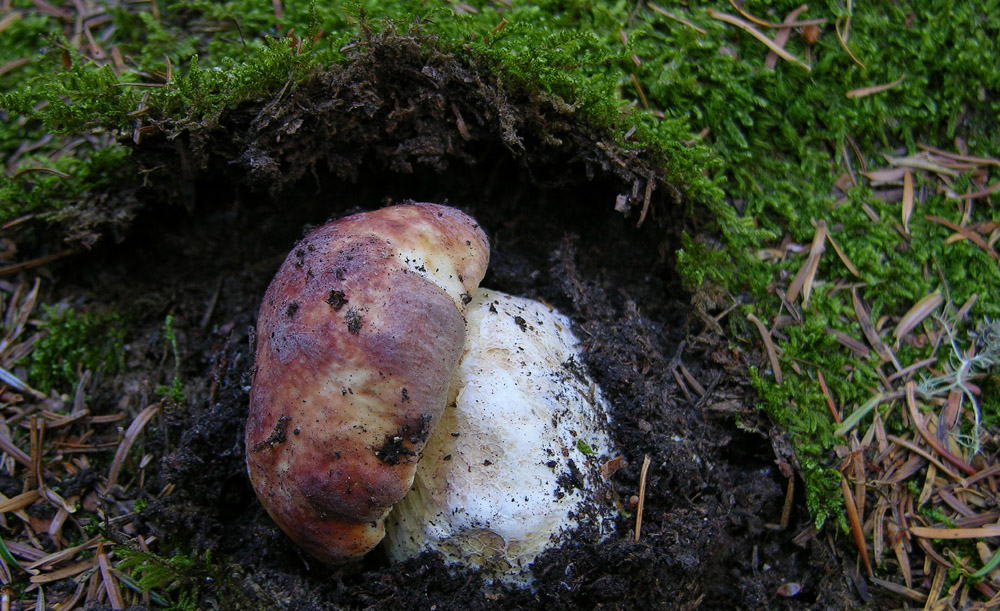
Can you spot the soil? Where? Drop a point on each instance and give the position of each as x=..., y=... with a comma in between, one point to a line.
x=226, y=198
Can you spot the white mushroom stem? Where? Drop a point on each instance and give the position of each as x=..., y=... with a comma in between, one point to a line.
x=513, y=465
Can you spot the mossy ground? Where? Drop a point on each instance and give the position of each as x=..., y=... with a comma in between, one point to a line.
x=745, y=161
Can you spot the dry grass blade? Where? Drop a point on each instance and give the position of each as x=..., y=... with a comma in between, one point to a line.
x=895, y=588
x=669, y=15
x=698, y=388
x=967, y=233
x=749, y=29
x=12, y=380
x=642, y=496
x=864, y=319
x=14, y=64
x=649, y=186
x=74, y=599
x=909, y=445
x=884, y=176
x=54, y=499
x=61, y=556
x=826, y=395
x=988, y=472
x=751, y=18
x=37, y=434
x=126, y=443
x=784, y=31
x=929, y=485
x=916, y=314
x=18, y=267
x=903, y=558
x=929, y=532
x=786, y=510
x=843, y=257
x=866, y=91
x=920, y=161
x=845, y=340
x=937, y=584
x=9, y=19
x=902, y=373
x=7, y=447
x=957, y=157
x=907, y=201
x=69, y=571
x=804, y=278
x=917, y=421
x=642, y=94
x=20, y=501
x=772, y=352
x=982, y=193
x=956, y=503
x=855, y=521
x=878, y=530
x=842, y=39
x=110, y=583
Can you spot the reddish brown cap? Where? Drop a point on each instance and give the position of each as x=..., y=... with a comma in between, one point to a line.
x=357, y=339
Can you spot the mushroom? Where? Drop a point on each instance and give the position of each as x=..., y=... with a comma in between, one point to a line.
x=512, y=468
x=357, y=339
x=372, y=332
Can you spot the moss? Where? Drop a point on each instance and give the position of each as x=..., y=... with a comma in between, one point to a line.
x=72, y=343
x=179, y=577
x=753, y=152
x=565, y=50
x=175, y=391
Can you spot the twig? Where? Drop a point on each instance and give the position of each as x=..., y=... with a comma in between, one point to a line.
x=864, y=320
x=842, y=38
x=786, y=510
x=843, y=257
x=772, y=353
x=829, y=399
x=911, y=403
x=956, y=157
x=967, y=233
x=928, y=532
x=916, y=314
x=855, y=520
x=642, y=496
x=110, y=583
x=784, y=31
x=647, y=196
x=749, y=29
x=909, y=445
x=680, y=20
x=13, y=269
x=804, y=277
x=977, y=194
x=642, y=94
x=129, y=438
x=867, y=91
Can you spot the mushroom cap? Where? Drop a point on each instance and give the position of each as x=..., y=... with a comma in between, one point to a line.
x=358, y=336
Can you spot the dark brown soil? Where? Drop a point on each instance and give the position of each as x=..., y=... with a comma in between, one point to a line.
x=228, y=200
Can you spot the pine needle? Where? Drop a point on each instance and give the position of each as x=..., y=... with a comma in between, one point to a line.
x=749, y=29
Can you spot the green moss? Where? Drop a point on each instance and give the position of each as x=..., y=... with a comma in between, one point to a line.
x=179, y=577
x=175, y=391
x=72, y=343
x=756, y=151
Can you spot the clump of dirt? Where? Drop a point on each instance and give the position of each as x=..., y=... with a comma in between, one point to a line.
x=405, y=121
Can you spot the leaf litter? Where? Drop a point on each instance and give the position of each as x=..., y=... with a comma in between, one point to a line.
x=929, y=486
